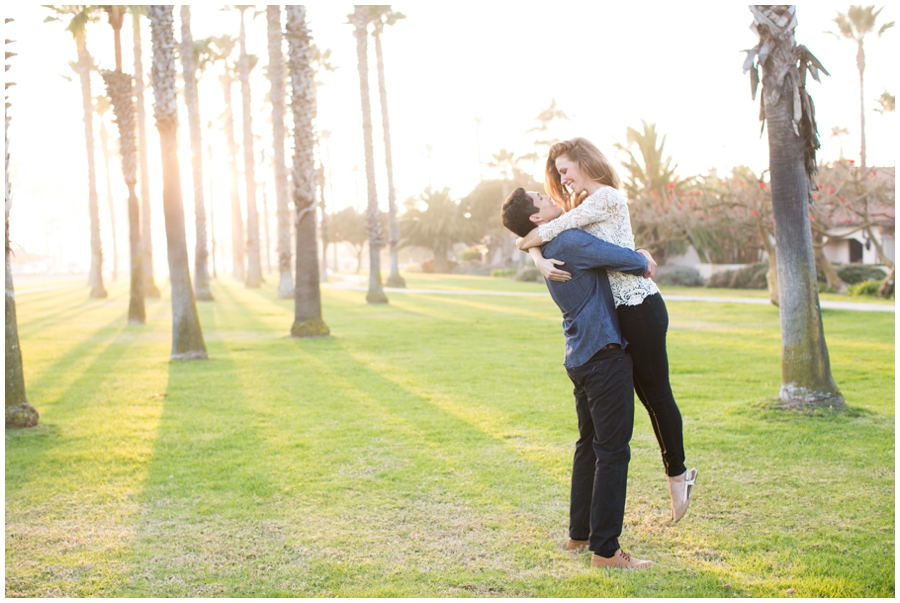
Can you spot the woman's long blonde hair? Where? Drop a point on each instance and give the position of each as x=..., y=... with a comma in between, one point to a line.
x=589, y=159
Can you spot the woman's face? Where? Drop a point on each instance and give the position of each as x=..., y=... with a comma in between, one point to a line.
x=571, y=175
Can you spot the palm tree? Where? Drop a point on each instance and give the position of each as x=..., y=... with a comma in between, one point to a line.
x=150, y=288
x=79, y=16
x=254, y=264
x=373, y=218
x=380, y=16
x=120, y=89
x=189, y=71
x=19, y=413
x=220, y=49
x=307, y=296
x=101, y=107
x=805, y=369
x=856, y=24
x=276, y=94
x=187, y=337
x=650, y=183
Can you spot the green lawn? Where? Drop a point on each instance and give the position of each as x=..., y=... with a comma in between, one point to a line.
x=424, y=450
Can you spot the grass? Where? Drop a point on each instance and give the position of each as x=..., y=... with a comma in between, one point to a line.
x=424, y=450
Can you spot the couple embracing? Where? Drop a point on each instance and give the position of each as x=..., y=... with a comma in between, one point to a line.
x=614, y=323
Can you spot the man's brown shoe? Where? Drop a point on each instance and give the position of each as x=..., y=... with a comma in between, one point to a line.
x=576, y=546
x=621, y=560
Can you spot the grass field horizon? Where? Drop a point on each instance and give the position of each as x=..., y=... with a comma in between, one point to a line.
x=424, y=449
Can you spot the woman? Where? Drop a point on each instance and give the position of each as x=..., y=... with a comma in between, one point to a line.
x=584, y=184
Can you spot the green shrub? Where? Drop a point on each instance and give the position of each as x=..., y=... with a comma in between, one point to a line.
x=470, y=255
x=529, y=274
x=865, y=288
x=681, y=276
x=502, y=272
x=751, y=276
x=720, y=280
x=428, y=266
x=858, y=273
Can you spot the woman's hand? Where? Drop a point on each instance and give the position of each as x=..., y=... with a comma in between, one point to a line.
x=651, y=265
x=532, y=239
x=548, y=268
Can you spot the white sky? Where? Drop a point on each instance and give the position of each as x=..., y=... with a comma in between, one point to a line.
x=607, y=65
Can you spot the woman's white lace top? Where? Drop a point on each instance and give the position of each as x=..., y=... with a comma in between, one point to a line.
x=605, y=215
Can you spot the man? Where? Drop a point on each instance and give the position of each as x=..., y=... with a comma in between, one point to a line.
x=600, y=370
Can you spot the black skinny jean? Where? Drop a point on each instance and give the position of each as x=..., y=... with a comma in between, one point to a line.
x=644, y=328
x=604, y=403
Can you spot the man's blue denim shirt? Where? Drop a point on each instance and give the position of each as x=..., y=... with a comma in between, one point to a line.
x=589, y=313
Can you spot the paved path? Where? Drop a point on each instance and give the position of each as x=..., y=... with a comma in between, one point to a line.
x=352, y=284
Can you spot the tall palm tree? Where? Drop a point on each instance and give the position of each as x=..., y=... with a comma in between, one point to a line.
x=805, y=368
x=308, y=320
x=19, y=413
x=373, y=217
x=79, y=15
x=276, y=94
x=220, y=50
x=187, y=337
x=856, y=24
x=101, y=107
x=254, y=260
x=150, y=288
x=189, y=71
x=120, y=90
x=382, y=15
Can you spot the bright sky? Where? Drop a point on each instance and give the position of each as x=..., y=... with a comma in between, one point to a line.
x=608, y=66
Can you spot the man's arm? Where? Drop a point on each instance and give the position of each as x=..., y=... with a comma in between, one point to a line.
x=586, y=252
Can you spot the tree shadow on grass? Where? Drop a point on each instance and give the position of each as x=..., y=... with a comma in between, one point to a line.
x=67, y=481
x=56, y=317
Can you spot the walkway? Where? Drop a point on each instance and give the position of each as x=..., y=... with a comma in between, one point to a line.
x=351, y=283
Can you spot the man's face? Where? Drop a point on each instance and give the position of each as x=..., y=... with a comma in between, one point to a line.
x=546, y=209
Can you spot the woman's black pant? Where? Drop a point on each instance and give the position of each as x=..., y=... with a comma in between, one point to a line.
x=644, y=328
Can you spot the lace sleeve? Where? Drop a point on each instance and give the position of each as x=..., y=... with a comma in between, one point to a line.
x=598, y=207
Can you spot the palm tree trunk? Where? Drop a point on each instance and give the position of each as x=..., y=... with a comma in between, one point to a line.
x=119, y=88
x=373, y=217
x=394, y=279
x=237, y=220
x=276, y=77
x=254, y=264
x=201, y=253
x=104, y=146
x=308, y=320
x=19, y=413
x=95, y=277
x=805, y=368
x=150, y=288
x=861, y=65
x=187, y=336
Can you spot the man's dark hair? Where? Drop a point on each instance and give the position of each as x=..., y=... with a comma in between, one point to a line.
x=516, y=210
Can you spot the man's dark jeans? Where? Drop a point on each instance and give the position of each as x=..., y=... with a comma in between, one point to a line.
x=604, y=401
